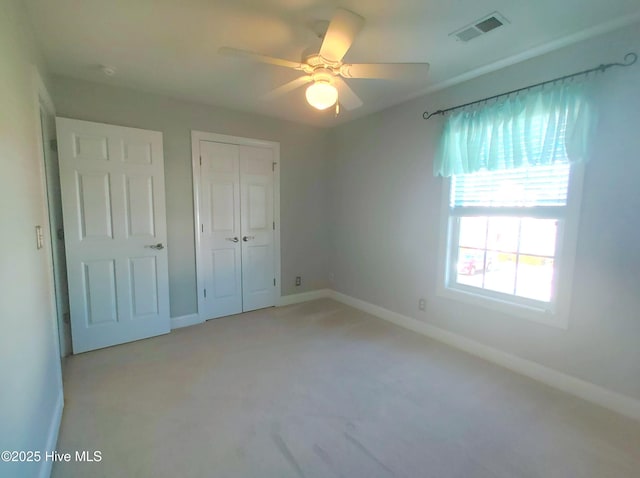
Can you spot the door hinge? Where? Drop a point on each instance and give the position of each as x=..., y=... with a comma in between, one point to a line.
x=274, y=282
x=274, y=225
x=53, y=144
x=200, y=160
x=205, y=293
x=273, y=166
x=201, y=227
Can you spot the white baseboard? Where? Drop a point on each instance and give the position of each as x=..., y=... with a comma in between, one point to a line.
x=303, y=297
x=185, y=321
x=194, y=319
x=617, y=402
x=52, y=436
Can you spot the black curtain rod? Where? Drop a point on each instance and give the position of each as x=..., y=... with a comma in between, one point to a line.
x=629, y=59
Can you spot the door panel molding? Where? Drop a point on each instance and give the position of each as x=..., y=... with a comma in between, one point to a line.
x=201, y=259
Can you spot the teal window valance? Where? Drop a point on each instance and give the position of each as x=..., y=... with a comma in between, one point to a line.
x=539, y=127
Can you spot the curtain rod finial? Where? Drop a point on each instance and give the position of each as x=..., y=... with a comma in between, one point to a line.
x=630, y=58
x=426, y=114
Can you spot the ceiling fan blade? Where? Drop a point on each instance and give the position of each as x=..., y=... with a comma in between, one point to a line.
x=344, y=27
x=386, y=71
x=226, y=51
x=287, y=87
x=346, y=96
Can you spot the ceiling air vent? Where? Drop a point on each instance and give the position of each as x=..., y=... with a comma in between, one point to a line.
x=480, y=27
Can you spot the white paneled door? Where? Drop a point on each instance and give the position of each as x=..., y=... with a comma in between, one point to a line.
x=236, y=211
x=112, y=181
x=220, y=229
x=256, y=206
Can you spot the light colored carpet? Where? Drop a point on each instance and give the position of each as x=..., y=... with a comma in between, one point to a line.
x=323, y=390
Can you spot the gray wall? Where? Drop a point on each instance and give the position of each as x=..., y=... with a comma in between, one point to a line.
x=303, y=176
x=30, y=376
x=386, y=208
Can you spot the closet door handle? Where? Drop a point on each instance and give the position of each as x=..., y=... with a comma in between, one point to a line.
x=158, y=247
x=232, y=239
x=248, y=238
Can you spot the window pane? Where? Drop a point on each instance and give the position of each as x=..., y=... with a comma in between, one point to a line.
x=517, y=259
x=470, y=266
x=538, y=236
x=535, y=277
x=473, y=232
x=501, y=276
x=503, y=234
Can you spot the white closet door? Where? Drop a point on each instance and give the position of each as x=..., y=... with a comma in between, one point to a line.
x=112, y=182
x=236, y=260
x=220, y=229
x=256, y=199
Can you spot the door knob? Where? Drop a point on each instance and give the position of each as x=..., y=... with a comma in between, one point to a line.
x=232, y=239
x=158, y=247
x=247, y=238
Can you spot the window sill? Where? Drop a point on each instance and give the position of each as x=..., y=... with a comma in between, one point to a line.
x=523, y=311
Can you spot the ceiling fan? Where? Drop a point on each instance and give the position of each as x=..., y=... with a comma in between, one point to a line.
x=325, y=70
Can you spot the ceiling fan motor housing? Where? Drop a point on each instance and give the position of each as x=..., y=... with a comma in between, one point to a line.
x=316, y=61
x=323, y=75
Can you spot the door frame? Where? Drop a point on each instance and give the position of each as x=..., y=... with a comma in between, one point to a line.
x=196, y=137
x=42, y=101
x=47, y=147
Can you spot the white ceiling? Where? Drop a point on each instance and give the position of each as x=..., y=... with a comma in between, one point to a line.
x=170, y=46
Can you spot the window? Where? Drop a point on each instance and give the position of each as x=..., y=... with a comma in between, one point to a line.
x=505, y=236
x=511, y=204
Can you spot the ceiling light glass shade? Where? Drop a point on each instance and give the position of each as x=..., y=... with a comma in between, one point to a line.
x=321, y=95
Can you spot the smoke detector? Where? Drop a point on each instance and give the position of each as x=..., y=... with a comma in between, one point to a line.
x=108, y=70
x=480, y=27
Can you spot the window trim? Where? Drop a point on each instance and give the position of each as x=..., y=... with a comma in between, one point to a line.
x=557, y=314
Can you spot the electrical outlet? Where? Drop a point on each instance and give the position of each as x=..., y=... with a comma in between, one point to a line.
x=298, y=281
x=422, y=305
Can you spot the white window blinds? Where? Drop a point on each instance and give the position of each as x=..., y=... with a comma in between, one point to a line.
x=522, y=187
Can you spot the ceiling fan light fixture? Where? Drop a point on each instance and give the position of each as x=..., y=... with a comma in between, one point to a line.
x=321, y=94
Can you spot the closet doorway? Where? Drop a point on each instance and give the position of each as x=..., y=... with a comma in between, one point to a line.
x=236, y=207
